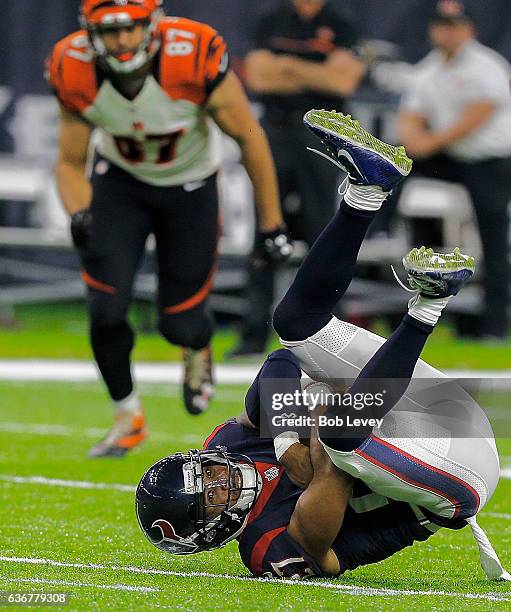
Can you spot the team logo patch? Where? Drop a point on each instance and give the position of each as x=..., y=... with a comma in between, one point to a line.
x=173, y=541
x=271, y=473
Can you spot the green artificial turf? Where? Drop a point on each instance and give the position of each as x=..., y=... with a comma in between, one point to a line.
x=59, y=331
x=46, y=430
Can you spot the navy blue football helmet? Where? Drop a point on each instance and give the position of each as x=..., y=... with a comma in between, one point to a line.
x=171, y=507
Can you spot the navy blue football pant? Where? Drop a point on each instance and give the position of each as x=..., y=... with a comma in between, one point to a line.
x=321, y=281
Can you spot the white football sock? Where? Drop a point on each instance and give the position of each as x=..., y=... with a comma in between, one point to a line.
x=130, y=403
x=363, y=197
x=427, y=310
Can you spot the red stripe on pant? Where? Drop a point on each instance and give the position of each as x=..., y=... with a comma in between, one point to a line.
x=376, y=446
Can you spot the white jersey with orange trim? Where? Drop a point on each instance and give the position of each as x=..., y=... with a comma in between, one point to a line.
x=164, y=135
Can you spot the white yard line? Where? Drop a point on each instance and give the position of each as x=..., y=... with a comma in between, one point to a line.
x=54, y=429
x=115, y=587
x=499, y=515
x=84, y=371
x=85, y=484
x=166, y=389
x=171, y=373
x=345, y=588
x=126, y=488
x=72, y=484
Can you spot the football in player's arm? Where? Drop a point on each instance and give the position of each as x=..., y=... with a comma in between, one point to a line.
x=314, y=525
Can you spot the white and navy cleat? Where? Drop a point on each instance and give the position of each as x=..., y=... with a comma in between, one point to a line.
x=437, y=275
x=367, y=160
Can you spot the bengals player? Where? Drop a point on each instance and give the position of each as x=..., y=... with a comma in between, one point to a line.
x=150, y=94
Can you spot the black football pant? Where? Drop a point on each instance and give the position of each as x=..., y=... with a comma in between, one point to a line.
x=125, y=212
x=315, y=181
x=489, y=185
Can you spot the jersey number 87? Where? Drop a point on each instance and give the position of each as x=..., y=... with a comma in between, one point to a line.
x=155, y=148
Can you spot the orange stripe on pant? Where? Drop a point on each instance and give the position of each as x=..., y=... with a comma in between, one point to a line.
x=95, y=284
x=196, y=299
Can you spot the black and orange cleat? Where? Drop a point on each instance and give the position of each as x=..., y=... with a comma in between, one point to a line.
x=129, y=431
x=198, y=388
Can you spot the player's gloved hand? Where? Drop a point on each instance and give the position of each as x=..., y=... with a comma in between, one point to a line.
x=273, y=247
x=298, y=464
x=81, y=223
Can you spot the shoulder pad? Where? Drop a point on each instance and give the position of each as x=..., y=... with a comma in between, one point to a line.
x=183, y=24
x=193, y=57
x=71, y=72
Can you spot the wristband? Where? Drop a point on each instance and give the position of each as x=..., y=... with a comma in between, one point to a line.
x=283, y=441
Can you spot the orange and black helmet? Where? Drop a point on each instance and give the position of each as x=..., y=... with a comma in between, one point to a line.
x=96, y=16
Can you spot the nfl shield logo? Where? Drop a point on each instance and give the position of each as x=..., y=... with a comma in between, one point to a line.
x=271, y=473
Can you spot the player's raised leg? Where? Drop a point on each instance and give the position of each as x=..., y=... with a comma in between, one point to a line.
x=303, y=319
x=435, y=278
x=443, y=458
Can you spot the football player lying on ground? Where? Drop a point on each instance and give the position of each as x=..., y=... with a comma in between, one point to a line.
x=370, y=495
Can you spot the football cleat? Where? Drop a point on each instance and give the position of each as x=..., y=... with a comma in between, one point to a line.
x=367, y=160
x=129, y=431
x=437, y=275
x=198, y=388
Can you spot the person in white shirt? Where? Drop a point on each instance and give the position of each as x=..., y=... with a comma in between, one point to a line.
x=455, y=121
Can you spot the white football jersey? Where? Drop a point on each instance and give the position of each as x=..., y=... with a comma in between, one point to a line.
x=164, y=135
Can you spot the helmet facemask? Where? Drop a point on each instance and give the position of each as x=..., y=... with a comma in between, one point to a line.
x=172, y=503
x=116, y=19
x=243, y=485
